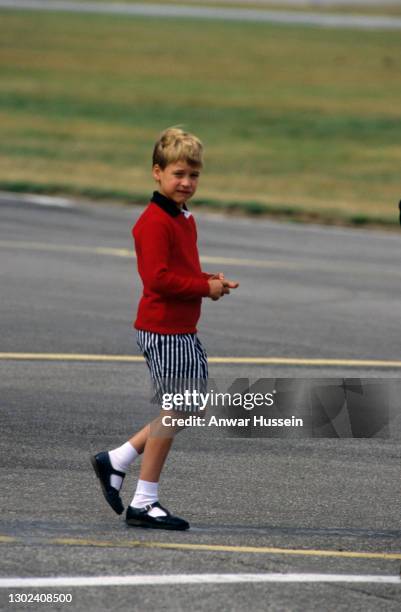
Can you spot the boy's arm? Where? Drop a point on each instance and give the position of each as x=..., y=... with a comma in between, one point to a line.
x=153, y=245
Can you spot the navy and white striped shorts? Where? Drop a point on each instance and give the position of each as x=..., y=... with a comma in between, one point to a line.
x=177, y=362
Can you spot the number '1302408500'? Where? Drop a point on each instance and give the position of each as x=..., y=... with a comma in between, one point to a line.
x=40, y=598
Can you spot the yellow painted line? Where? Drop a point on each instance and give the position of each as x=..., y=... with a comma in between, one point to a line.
x=207, y=259
x=7, y=539
x=66, y=248
x=286, y=361
x=376, y=363
x=68, y=357
x=266, y=550
x=97, y=543
x=251, y=263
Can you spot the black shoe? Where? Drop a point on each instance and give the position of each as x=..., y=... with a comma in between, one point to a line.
x=139, y=517
x=103, y=468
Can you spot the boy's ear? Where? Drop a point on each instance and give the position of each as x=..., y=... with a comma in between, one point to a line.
x=156, y=172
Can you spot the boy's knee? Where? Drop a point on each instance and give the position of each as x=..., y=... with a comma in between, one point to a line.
x=168, y=424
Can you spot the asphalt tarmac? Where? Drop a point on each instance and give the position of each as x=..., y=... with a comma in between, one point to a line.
x=257, y=506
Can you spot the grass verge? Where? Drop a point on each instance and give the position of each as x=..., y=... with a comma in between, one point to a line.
x=353, y=8
x=281, y=211
x=297, y=122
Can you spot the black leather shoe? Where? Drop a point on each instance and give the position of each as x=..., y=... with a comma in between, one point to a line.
x=139, y=517
x=103, y=468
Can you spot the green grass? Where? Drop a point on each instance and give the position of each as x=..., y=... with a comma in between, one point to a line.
x=297, y=122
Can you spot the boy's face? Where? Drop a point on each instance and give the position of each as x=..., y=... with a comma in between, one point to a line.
x=178, y=181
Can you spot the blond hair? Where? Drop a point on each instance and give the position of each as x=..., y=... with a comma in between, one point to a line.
x=176, y=145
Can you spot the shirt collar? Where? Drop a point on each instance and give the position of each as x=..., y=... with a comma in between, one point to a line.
x=169, y=206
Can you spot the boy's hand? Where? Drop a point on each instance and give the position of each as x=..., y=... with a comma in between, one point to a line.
x=227, y=283
x=219, y=286
x=218, y=276
x=230, y=284
x=216, y=288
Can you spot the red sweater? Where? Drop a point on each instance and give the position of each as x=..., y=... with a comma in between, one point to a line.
x=168, y=264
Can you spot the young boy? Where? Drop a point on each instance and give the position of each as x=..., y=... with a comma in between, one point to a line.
x=173, y=288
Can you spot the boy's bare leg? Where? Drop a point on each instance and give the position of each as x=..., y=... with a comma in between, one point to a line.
x=121, y=457
x=139, y=439
x=158, y=444
x=154, y=456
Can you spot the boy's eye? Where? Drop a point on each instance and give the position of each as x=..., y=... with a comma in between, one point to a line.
x=193, y=175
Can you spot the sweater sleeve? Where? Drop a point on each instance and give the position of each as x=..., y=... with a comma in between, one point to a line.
x=153, y=244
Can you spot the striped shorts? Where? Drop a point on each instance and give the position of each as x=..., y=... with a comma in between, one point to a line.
x=177, y=363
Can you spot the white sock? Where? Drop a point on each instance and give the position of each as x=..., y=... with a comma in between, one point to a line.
x=121, y=458
x=147, y=493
